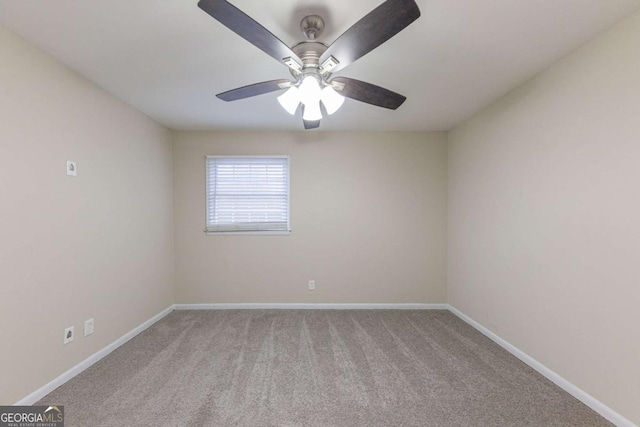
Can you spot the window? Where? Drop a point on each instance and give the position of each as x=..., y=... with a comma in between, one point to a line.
x=247, y=194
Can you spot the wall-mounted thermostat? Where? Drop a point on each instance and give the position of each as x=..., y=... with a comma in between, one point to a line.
x=72, y=169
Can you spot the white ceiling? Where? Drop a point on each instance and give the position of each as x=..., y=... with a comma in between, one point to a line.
x=168, y=58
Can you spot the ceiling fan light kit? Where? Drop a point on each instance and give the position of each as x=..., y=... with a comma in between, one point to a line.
x=331, y=100
x=290, y=100
x=312, y=63
x=312, y=112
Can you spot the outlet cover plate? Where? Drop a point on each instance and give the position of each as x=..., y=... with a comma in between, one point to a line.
x=68, y=335
x=72, y=168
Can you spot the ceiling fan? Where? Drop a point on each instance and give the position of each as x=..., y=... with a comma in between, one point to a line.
x=312, y=63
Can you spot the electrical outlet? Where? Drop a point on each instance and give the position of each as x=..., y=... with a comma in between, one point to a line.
x=312, y=285
x=88, y=327
x=72, y=168
x=68, y=335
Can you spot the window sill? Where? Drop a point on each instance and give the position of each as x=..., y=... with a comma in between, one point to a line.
x=247, y=233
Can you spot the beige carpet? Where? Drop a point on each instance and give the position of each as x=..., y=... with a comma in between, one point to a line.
x=314, y=368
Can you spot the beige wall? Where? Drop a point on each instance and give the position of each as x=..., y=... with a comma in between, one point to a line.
x=368, y=213
x=544, y=218
x=98, y=245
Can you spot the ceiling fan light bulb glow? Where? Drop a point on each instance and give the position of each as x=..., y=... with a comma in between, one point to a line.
x=331, y=99
x=310, y=91
x=312, y=112
x=290, y=100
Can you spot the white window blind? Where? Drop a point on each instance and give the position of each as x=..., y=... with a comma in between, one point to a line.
x=247, y=194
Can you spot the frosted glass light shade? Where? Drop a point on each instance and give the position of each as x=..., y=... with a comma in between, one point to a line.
x=290, y=99
x=312, y=112
x=331, y=99
x=310, y=91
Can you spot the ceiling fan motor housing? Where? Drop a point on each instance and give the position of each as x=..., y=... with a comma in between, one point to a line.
x=309, y=52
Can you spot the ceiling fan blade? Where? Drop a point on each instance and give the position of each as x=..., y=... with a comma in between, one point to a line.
x=254, y=90
x=382, y=23
x=243, y=25
x=369, y=93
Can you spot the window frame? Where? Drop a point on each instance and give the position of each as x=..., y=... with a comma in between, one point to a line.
x=247, y=232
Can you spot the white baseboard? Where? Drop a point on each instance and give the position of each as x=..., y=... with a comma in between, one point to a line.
x=593, y=403
x=57, y=382
x=305, y=306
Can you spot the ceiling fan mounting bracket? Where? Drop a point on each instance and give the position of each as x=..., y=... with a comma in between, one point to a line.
x=312, y=26
x=292, y=64
x=329, y=64
x=337, y=85
x=285, y=85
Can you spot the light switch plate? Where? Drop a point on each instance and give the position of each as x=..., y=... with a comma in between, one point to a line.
x=72, y=168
